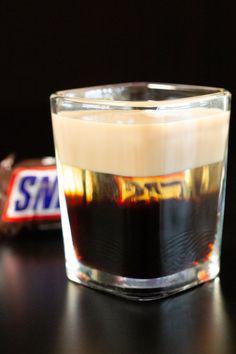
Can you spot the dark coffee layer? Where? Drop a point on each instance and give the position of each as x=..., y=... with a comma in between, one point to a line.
x=144, y=240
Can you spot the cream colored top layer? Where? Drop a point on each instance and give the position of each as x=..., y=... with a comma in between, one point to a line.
x=141, y=143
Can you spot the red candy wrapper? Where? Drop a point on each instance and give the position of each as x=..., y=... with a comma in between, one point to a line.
x=28, y=195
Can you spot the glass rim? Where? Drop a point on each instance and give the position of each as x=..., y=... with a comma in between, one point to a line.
x=208, y=93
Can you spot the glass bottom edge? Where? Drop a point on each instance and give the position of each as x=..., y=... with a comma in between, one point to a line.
x=143, y=289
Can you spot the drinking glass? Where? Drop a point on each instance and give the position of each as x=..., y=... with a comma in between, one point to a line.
x=141, y=170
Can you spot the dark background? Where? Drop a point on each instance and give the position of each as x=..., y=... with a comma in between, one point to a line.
x=53, y=46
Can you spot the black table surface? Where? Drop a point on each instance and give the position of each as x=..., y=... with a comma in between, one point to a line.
x=42, y=312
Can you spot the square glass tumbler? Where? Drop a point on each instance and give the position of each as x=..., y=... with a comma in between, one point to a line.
x=141, y=169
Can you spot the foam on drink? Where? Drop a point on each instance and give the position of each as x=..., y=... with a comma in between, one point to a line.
x=140, y=142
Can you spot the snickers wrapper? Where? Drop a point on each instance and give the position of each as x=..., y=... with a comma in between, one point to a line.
x=28, y=195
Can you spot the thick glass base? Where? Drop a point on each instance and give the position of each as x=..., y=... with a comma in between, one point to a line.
x=143, y=289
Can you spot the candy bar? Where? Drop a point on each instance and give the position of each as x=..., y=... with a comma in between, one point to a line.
x=28, y=195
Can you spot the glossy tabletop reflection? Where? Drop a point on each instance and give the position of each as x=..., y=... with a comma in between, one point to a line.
x=42, y=312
